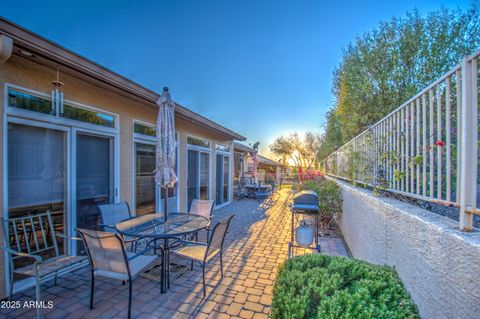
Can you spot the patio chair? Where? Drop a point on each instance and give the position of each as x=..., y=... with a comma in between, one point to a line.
x=239, y=191
x=33, y=238
x=272, y=184
x=112, y=214
x=203, y=207
x=204, y=252
x=109, y=259
x=262, y=193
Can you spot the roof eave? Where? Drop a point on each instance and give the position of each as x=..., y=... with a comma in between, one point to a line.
x=40, y=46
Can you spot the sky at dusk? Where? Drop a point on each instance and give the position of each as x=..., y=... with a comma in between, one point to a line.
x=260, y=68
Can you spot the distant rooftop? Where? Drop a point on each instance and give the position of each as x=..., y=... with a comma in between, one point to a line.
x=240, y=147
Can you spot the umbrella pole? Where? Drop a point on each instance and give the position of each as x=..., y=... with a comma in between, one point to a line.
x=166, y=253
x=165, y=202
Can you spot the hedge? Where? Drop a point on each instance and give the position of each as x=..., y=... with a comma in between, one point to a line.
x=319, y=286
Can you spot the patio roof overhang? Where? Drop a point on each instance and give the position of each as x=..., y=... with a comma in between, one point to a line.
x=266, y=161
x=50, y=54
x=242, y=148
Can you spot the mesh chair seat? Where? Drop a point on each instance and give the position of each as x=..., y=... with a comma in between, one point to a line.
x=137, y=265
x=203, y=252
x=196, y=252
x=51, y=265
x=108, y=258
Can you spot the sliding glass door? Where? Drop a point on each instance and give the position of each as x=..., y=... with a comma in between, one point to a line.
x=94, y=177
x=222, y=183
x=58, y=163
x=37, y=173
x=146, y=191
x=145, y=188
x=198, y=177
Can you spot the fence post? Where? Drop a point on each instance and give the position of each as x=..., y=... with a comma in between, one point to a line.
x=469, y=153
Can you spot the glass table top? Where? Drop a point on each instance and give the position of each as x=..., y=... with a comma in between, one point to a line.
x=154, y=225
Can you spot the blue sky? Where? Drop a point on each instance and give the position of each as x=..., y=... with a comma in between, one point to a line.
x=261, y=68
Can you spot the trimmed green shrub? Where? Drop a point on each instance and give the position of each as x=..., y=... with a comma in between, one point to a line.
x=329, y=198
x=320, y=286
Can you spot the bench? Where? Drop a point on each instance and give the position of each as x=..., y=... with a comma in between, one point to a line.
x=31, y=238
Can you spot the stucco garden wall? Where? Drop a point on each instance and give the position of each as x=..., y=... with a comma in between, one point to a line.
x=438, y=264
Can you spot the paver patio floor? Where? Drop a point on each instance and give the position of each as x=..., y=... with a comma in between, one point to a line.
x=255, y=246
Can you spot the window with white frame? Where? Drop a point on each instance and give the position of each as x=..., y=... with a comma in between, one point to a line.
x=200, y=142
x=222, y=180
x=31, y=102
x=148, y=196
x=198, y=169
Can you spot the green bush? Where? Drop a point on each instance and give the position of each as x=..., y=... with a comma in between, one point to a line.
x=329, y=198
x=319, y=286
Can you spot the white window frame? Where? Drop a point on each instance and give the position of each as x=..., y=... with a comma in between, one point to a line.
x=229, y=155
x=151, y=140
x=204, y=148
x=58, y=120
x=200, y=149
x=71, y=127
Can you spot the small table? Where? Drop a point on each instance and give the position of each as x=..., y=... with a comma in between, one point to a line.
x=252, y=189
x=153, y=226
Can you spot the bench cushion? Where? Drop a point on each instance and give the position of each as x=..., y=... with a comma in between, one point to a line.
x=51, y=265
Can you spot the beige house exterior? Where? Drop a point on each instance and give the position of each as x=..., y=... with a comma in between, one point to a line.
x=29, y=63
x=267, y=169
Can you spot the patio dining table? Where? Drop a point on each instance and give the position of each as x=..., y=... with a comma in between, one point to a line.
x=154, y=227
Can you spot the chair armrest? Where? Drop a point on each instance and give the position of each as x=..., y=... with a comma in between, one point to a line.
x=38, y=259
x=67, y=237
x=194, y=242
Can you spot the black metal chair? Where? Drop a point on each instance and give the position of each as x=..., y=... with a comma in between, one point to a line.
x=109, y=259
x=262, y=193
x=202, y=207
x=239, y=190
x=204, y=252
x=112, y=214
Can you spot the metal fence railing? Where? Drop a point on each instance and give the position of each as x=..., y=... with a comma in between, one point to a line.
x=426, y=148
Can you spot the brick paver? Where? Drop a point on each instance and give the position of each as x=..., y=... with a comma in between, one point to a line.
x=255, y=246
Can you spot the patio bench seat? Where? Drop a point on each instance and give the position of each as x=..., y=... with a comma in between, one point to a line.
x=51, y=265
x=31, y=237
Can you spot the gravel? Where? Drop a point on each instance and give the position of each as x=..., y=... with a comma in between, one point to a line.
x=447, y=211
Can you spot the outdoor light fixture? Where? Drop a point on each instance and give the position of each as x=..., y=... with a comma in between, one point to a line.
x=26, y=53
x=57, y=96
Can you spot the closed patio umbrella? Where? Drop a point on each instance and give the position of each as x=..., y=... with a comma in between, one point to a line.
x=255, y=161
x=166, y=146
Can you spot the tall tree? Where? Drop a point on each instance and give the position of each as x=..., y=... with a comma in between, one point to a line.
x=302, y=151
x=383, y=68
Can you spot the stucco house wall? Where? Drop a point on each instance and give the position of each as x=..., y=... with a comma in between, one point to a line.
x=25, y=73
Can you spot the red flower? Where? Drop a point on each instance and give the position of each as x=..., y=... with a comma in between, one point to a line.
x=440, y=143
